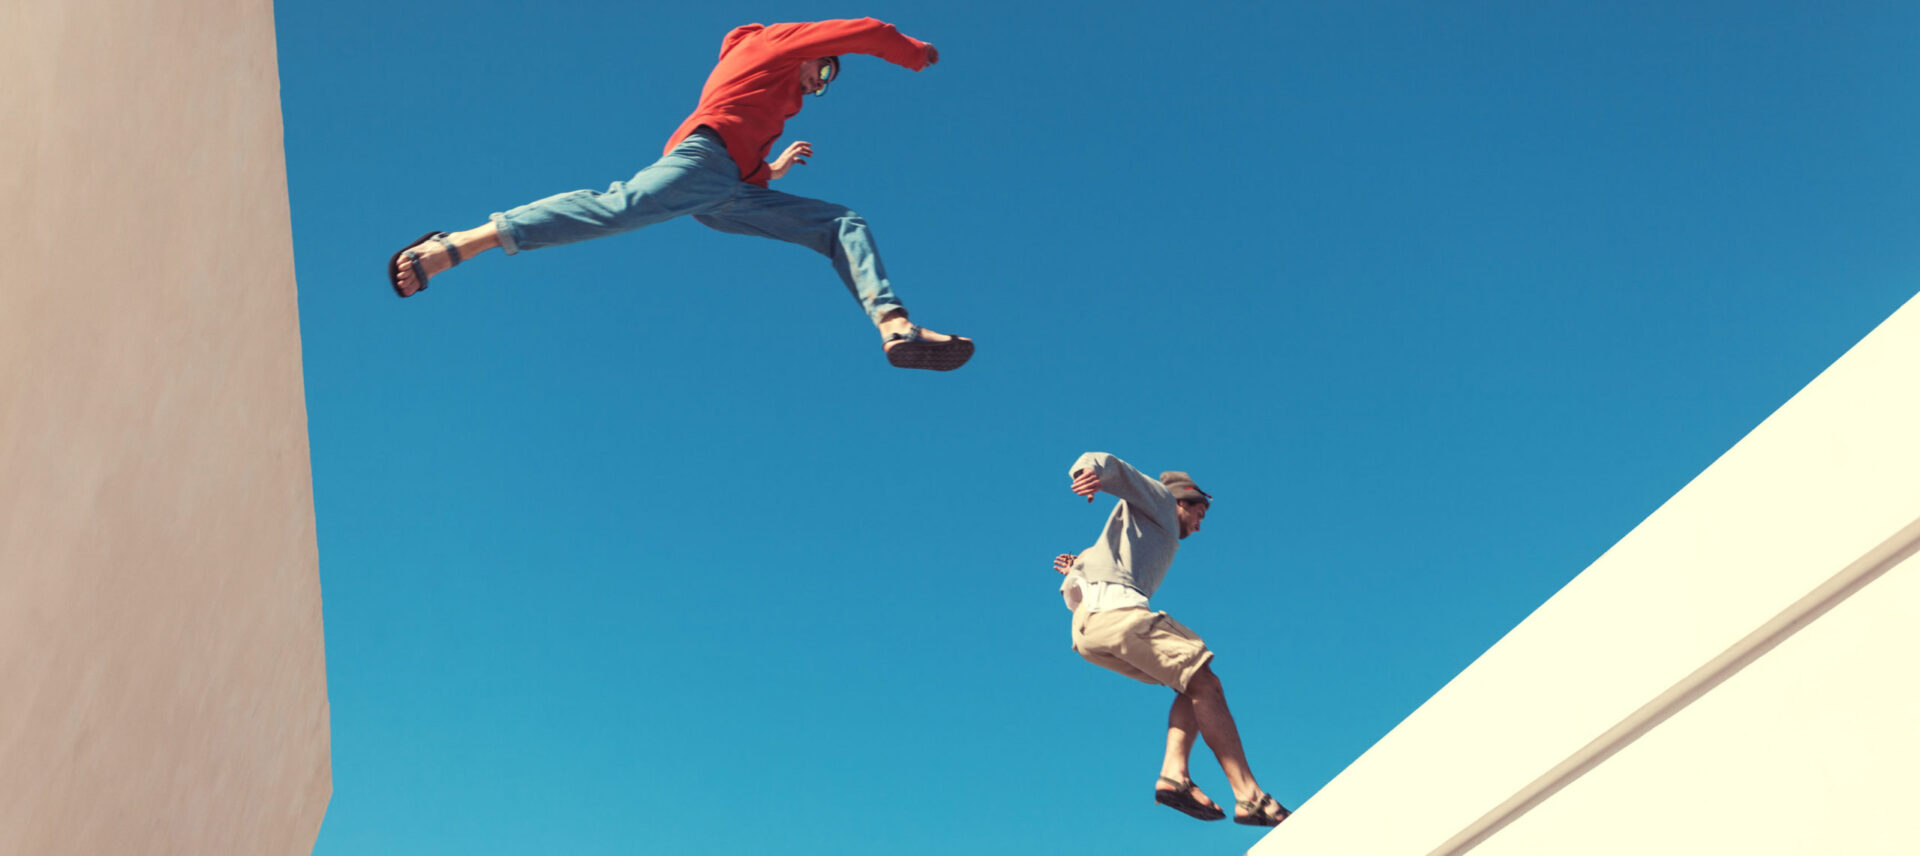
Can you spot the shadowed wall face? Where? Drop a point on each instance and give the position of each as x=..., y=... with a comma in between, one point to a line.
x=162, y=673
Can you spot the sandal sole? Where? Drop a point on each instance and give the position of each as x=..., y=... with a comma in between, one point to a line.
x=1186, y=806
x=932, y=356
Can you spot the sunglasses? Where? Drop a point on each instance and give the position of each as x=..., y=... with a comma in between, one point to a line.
x=829, y=70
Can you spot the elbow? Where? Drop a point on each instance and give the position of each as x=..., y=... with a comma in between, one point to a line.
x=1096, y=461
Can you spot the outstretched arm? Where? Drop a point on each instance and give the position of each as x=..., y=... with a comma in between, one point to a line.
x=868, y=36
x=1097, y=471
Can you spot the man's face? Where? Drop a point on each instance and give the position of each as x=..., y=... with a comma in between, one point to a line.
x=1191, y=513
x=815, y=74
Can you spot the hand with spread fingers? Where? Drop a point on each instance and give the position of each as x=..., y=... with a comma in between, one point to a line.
x=1064, y=562
x=795, y=154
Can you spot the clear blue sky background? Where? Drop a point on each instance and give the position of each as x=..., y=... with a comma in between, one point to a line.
x=639, y=546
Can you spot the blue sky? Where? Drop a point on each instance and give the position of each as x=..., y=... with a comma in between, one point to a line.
x=639, y=546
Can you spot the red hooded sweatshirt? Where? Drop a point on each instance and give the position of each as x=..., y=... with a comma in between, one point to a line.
x=756, y=87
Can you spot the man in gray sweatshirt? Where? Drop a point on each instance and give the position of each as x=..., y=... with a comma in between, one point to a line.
x=1107, y=586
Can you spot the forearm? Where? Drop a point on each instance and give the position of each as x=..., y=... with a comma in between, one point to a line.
x=1119, y=478
x=1116, y=476
x=1094, y=462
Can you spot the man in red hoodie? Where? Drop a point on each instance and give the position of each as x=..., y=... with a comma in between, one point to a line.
x=715, y=168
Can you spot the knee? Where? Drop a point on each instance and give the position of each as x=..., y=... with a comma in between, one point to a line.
x=1204, y=684
x=849, y=221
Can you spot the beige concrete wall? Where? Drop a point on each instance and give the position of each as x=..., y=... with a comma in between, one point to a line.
x=1791, y=548
x=162, y=678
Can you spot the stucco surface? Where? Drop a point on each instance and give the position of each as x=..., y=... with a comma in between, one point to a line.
x=162, y=673
x=1825, y=481
x=1810, y=750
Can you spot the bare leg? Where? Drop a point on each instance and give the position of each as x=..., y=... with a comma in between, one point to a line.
x=1222, y=736
x=1183, y=727
x=434, y=260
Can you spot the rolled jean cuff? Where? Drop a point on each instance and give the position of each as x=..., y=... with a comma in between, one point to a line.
x=879, y=311
x=507, y=240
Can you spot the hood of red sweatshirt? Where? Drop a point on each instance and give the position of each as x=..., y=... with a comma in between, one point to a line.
x=736, y=36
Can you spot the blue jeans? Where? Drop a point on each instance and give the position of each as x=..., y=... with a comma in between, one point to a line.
x=699, y=178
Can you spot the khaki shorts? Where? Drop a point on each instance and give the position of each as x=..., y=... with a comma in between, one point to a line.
x=1144, y=645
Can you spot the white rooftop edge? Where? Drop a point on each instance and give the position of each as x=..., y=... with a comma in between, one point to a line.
x=1728, y=676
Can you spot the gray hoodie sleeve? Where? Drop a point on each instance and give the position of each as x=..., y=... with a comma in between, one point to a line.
x=1151, y=498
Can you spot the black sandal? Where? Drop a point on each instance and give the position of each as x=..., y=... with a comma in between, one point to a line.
x=1257, y=814
x=413, y=261
x=915, y=352
x=1181, y=799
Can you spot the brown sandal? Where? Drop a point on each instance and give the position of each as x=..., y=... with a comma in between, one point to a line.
x=1257, y=813
x=912, y=350
x=413, y=261
x=1181, y=799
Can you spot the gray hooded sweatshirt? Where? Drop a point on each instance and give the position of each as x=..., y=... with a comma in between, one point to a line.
x=1142, y=533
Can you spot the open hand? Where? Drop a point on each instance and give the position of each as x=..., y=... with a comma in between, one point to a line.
x=1064, y=562
x=1086, y=483
x=795, y=154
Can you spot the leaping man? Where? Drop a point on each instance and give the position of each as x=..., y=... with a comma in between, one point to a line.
x=715, y=169
x=1107, y=586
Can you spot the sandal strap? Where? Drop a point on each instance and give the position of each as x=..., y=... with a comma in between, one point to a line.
x=413, y=264
x=453, y=252
x=1257, y=809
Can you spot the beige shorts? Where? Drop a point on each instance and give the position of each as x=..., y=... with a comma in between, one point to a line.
x=1144, y=645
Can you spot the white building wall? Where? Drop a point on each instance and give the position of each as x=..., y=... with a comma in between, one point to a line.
x=1831, y=477
x=1810, y=750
